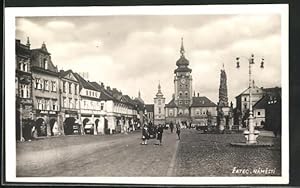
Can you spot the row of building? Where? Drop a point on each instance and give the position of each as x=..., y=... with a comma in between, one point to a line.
x=64, y=102
x=53, y=102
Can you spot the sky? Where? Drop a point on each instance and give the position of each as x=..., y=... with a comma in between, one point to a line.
x=133, y=53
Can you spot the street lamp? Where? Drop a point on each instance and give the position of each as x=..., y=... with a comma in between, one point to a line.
x=251, y=134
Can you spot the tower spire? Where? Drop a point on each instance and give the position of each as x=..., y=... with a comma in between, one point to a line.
x=139, y=94
x=182, y=51
x=28, y=42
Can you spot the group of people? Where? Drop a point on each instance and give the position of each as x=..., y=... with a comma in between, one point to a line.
x=159, y=132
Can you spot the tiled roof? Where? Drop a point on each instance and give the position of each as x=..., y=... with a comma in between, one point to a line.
x=150, y=107
x=103, y=93
x=202, y=102
x=182, y=69
x=261, y=104
x=171, y=104
x=85, y=84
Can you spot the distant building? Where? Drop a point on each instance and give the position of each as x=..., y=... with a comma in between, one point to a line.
x=150, y=113
x=260, y=98
x=23, y=91
x=46, y=98
x=202, y=109
x=159, y=107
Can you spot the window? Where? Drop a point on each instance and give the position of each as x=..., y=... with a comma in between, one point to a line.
x=53, y=86
x=75, y=86
x=65, y=102
x=198, y=112
x=67, y=87
x=180, y=112
x=84, y=104
x=38, y=83
x=76, y=104
x=23, y=65
x=258, y=113
x=45, y=64
x=186, y=111
x=64, y=86
x=39, y=104
x=102, y=106
x=186, y=102
x=245, y=99
x=245, y=106
x=180, y=102
x=46, y=84
x=159, y=110
x=90, y=93
x=70, y=103
x=24, y=91
x=54, y=105
x=159, y=102
x=87, y=92
x=70, y=88
x=47, y=104
x=180, y=93
x=186, y=93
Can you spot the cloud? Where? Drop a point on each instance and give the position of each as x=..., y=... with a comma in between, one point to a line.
x=137, y=55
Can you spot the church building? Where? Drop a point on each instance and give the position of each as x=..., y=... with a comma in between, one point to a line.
x=184, y=107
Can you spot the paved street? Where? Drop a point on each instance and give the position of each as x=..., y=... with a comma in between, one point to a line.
x=122, y=155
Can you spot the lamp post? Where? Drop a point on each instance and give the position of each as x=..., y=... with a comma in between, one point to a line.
x=251, y=134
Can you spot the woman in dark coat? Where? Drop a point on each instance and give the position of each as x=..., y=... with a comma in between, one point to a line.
x=145, y=135
x=160, y=131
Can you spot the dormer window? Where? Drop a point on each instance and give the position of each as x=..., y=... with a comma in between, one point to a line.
x=45, y=63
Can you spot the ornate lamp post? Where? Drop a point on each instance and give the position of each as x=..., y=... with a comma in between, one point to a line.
x=251, y=134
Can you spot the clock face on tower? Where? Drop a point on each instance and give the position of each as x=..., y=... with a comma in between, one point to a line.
x=182, y=81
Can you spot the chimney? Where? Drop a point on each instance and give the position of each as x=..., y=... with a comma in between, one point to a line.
x=108, y=88
x=173, y=96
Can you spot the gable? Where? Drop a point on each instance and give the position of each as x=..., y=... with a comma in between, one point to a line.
x=70, y=76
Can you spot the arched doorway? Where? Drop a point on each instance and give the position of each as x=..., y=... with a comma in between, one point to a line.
x=96, y=124
x=85, y=121
x=106, y=129
x=41, y=127
x=68, y=125
x=52, y=122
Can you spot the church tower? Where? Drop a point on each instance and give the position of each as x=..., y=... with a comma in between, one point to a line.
x=159, y=107
x=183, y=84
x=223, y=97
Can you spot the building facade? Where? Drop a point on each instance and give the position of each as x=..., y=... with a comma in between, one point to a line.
x=159, y=107
x=70, y=102
x=46, y=98
x=23, y=81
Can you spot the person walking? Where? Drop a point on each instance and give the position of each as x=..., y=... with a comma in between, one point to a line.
x=178, y=130
x=160, y=131
x=171, y=126
x=145, y=135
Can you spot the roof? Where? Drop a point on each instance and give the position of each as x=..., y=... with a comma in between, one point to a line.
x=171, y=104
x=103, y=93
x=182, y=61
x=85, y=84
x=150, y=107
x=261, y=104
x=22, y=49
x=246, y=91
x=182, y=69
x=202, y=102
x=273, y=91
